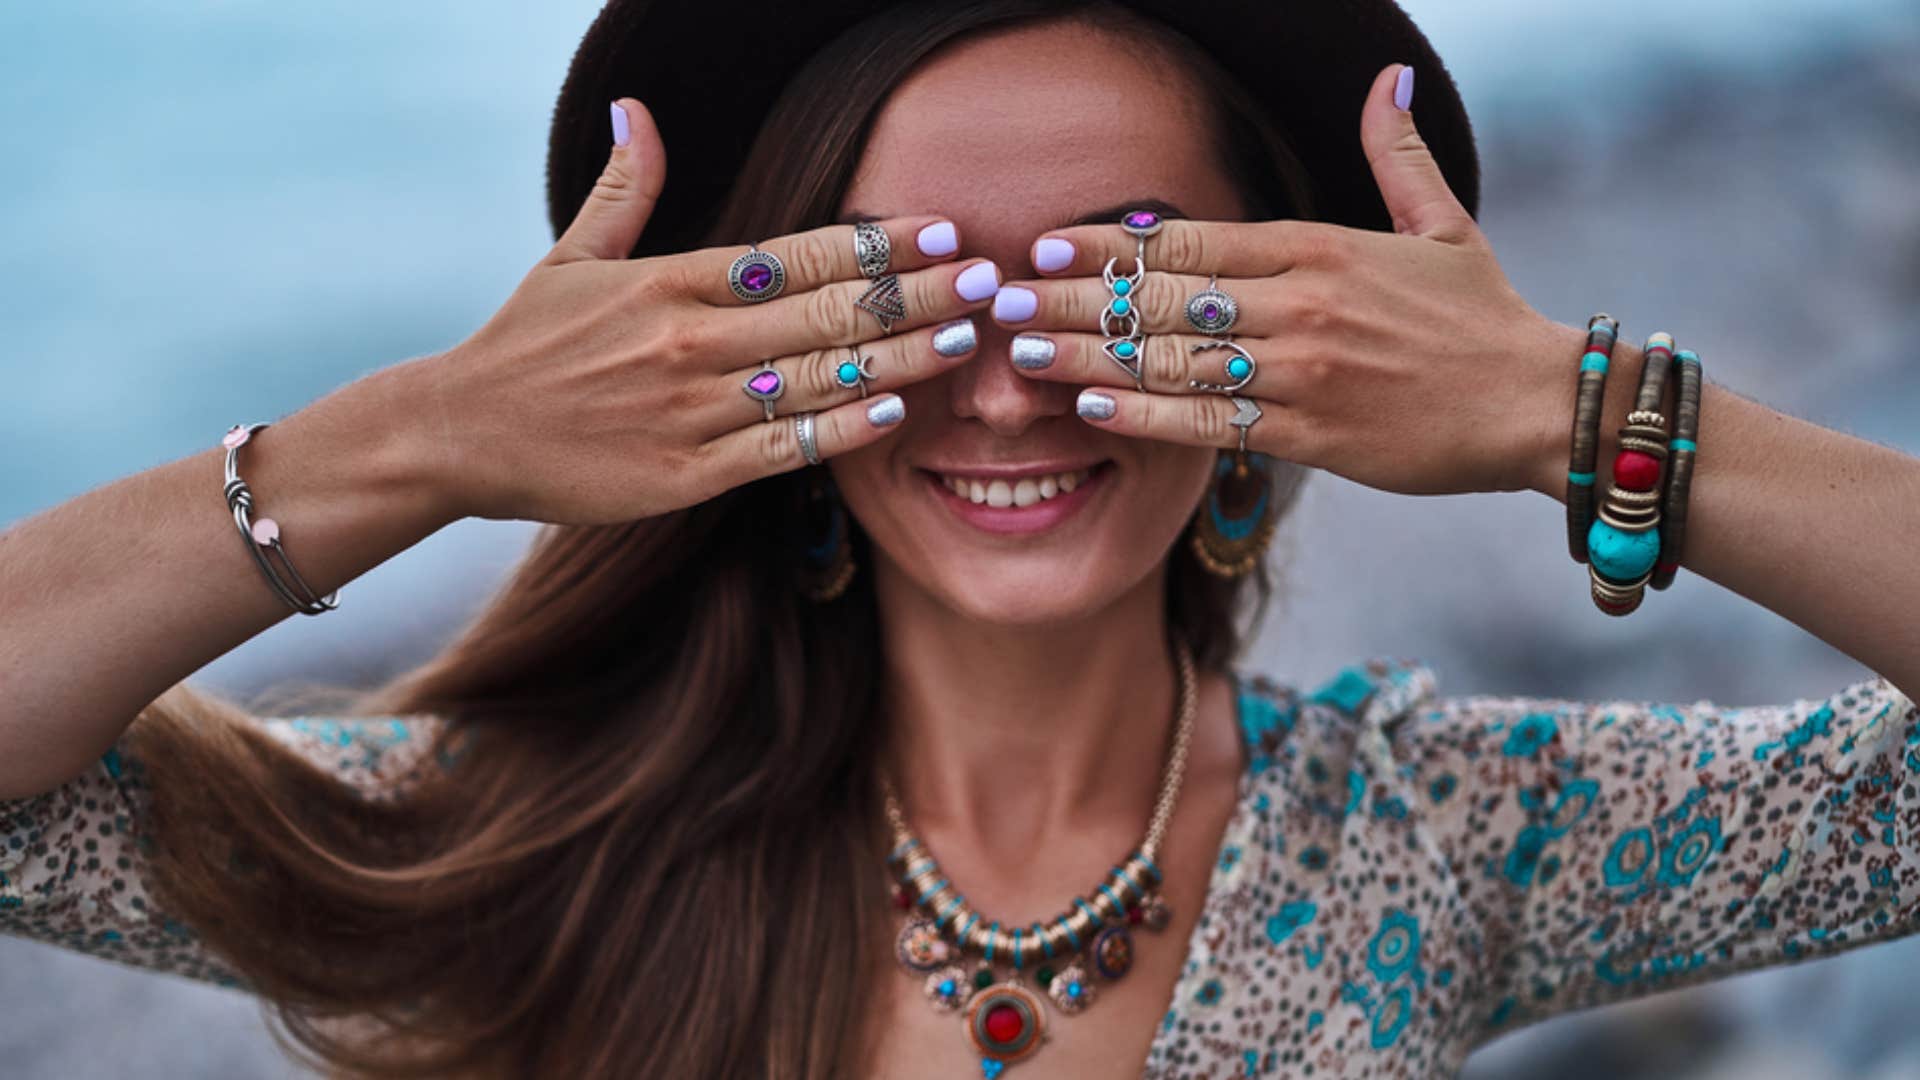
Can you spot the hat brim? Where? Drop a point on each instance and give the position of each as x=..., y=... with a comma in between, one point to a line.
x=1309, y=62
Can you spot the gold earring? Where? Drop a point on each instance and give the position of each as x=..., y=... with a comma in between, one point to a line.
x=1235, y=522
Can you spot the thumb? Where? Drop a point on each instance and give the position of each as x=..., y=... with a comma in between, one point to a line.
x=1416, y=193
x=610, y=221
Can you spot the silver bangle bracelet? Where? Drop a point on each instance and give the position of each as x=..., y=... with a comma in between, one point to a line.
x=262, y=535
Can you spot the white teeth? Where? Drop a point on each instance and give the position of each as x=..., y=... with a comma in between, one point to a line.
x=1025, y=491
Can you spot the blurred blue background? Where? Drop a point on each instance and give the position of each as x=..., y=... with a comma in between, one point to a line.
x=220, y=211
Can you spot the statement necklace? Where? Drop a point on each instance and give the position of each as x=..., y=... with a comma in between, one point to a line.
x=973, y=967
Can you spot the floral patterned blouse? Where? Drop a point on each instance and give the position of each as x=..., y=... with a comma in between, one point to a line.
x=1404, y=877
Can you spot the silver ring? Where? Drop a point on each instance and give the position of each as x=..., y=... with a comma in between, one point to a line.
x=1120, y=321
x=886, y=300
x=873, y=250
x=803, y=431
x=1245, y=412
x=1212, y=311
x=757, y=275
x=854, y=373
x=1240, y=367
x=765, y=386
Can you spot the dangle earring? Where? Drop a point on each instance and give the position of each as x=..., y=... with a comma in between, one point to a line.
x=1235, y=522
x=826, y=542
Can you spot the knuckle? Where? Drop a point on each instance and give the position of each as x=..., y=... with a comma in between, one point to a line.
x=1315, y=371
x=816, y=373
x=1308, y=308
x=1161, y=301
x=1183, y=246
x=779, y=447
x=682, y=339
x=829, y=315
x=811, y=261
x=1205, y=421
x=1166, y=361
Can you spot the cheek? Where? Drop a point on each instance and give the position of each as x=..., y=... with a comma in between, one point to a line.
x=1172, y=481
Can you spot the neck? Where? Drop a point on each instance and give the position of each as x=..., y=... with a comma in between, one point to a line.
x=1014, y=741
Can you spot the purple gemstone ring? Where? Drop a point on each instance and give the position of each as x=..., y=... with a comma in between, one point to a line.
x=765, y=386
x=1212, y=311
x=756, y=276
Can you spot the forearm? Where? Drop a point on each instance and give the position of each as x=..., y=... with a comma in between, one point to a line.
x=1816, y=525
x=114, y=596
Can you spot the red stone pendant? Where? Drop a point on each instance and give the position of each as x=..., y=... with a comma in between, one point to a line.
x=1006, y=1023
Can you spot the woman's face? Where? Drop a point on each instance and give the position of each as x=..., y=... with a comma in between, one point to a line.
x=1011, y=134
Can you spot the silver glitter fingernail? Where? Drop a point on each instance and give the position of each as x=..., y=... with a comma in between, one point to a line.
x=956, y=338
x=1032, y=352
x=887, y=411
x=1095, y=405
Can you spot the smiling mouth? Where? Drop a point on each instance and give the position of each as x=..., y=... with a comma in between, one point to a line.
x=1015, y=491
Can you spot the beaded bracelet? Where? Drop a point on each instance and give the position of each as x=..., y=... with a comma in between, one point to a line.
x=1624, y=543
x=1686, y=430
x=262, y=535
x=1602, y=329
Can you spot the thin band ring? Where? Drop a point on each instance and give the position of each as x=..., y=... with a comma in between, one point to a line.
x=803, y=432
x=757, y=275
x=765, y=386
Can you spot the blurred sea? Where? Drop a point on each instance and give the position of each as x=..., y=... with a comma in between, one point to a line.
x=222, y=210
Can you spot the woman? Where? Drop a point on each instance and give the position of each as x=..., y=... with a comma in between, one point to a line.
x=654, y=813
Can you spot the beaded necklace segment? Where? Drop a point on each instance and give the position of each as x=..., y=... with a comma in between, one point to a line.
x=1067, y=957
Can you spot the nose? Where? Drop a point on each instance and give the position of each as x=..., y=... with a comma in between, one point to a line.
x=987, y=388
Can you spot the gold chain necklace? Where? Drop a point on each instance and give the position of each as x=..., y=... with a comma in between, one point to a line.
x=1067, y=957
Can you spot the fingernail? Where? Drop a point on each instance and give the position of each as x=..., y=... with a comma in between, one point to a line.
x=1014, y=304
x=1052, y=253
x=887, y=411
x=622, y=133
x=938, y=239
x=1094, y=405
x=977, y=282
x=1031, y=352
x=1403, y=89
x=956, y=338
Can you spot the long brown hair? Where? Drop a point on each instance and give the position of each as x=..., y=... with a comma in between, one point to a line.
x=651, y=831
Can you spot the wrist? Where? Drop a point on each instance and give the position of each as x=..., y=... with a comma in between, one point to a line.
x=399, y=443
x=1553, y=432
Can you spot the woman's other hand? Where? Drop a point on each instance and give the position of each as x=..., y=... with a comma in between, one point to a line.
x=608, y=389
x=1404, y=361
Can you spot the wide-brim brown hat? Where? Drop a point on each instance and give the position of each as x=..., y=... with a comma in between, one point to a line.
x=711, y=72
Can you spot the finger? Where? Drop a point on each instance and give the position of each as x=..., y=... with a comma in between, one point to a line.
x=1410, y=181
x=830, y=376
x=616, y=211
x=832, y=315
x=1160, y=300
x=1249, y=249
x=817, y=257
x=1170, y=363
x=770, y=447
x=1199, y=420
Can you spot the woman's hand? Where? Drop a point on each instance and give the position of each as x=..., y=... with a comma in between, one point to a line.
x=608, y=389
x=1403, y=361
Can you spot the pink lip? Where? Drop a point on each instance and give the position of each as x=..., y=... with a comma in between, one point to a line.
x=1020, y=520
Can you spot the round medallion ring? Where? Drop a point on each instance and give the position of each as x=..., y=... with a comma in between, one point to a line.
x=756, y=276
x=1212, y=311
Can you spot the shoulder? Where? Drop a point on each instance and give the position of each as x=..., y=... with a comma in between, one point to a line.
x=1374, y=694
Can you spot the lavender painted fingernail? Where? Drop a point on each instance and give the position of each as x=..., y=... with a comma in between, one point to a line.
x=1031, y=352
x=887, y=411
x=956, y=338
x=1014, y=304
x=1052, y=253
x=622, y=131
x=1403, y=89
x=1094, y=405
x=938, y=239
x=977, y=282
